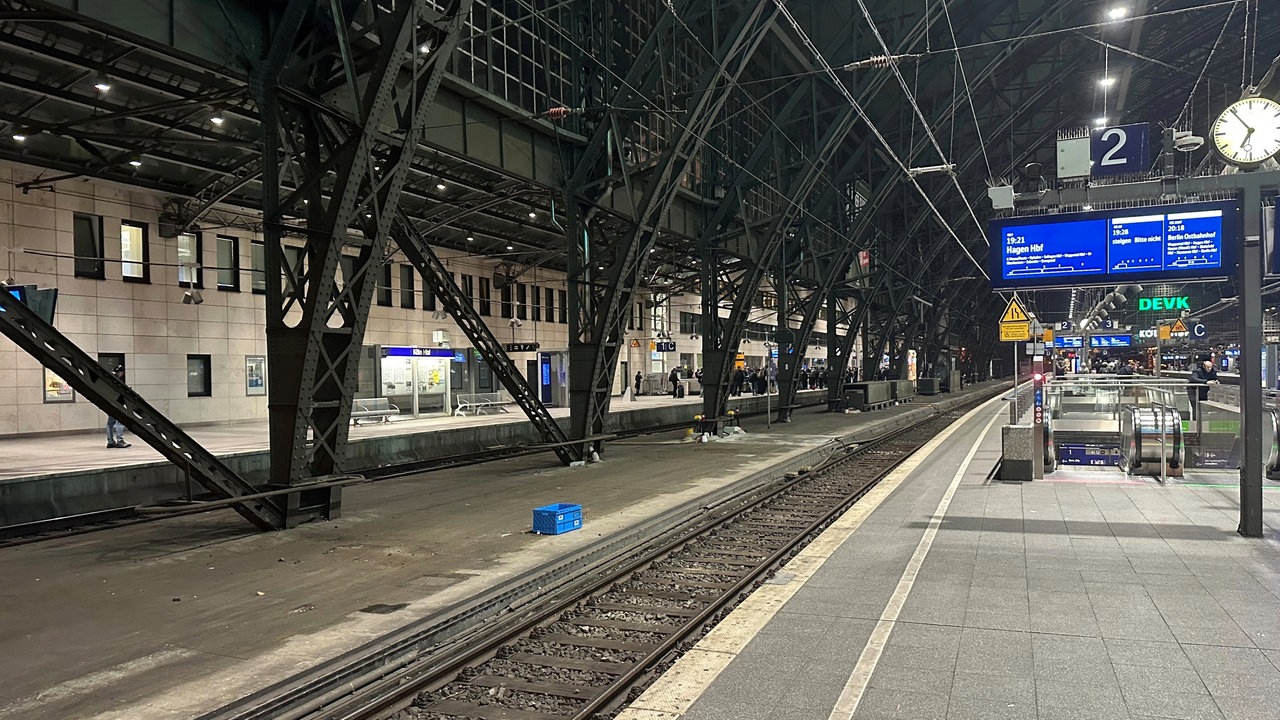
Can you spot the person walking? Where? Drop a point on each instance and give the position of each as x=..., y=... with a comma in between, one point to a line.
x=115, y=428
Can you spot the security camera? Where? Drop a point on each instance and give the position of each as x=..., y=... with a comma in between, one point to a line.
x=1184, y=141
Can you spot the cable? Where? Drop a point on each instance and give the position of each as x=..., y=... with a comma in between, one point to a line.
x=1216, y=43
x=968, y=92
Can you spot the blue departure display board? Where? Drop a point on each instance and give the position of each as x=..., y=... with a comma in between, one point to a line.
x=1168, y=242
x=1068, y=341
x=1108, y=341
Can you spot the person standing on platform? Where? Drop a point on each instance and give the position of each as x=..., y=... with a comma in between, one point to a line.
x=115, y=428
x=1198, y=384
x=639, y=377
x=674, y=379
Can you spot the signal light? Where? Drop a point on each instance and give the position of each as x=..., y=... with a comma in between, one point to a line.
x=1037, y=377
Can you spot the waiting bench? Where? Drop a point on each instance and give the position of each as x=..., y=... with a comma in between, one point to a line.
x=477, y=403
x=377, y=408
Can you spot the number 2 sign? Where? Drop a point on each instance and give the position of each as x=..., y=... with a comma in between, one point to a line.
x=1120, y=149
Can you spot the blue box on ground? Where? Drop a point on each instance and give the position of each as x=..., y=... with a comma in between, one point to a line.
x=557, y=518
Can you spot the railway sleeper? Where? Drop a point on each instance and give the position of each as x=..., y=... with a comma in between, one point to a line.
x=571, y=663
x=730, y=560
x=647, y=609
x=576, y=692
x=600, y=643
x=461, y=708
x=687, y=582
x=649, y=627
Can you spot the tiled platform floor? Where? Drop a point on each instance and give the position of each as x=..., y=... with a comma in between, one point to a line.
x=1089, y=597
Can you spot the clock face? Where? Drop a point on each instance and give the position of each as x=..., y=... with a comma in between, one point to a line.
x=1248, y=131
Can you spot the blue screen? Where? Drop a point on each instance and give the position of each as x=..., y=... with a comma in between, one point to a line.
x=1191, y=240
x=1068, y=342
x=1104, y=341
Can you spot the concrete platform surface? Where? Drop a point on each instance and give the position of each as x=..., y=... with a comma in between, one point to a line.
x=944, y=595
x=172, y=619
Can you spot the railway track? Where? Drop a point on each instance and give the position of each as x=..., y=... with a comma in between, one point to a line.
x=80, y=524
x=581, y=639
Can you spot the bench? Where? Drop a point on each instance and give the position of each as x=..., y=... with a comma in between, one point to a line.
x=477, y=403
x=379, y=408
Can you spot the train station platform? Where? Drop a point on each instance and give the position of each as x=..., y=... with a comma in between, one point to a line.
x=946, y=595
x=174, y=618
x=54, y=476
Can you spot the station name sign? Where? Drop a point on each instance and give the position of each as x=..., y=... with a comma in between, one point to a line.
x=1189, y=241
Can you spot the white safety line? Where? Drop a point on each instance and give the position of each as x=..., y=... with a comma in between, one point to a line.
x=847, y=705
x=672, y=694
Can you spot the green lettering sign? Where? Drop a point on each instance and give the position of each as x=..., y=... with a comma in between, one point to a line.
x=1181, y=302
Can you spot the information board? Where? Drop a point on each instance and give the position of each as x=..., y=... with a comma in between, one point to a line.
x=1068, y=341
x=1168, y=242
x=1110, y=341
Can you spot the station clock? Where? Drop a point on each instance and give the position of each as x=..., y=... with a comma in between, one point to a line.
x=1247, y=133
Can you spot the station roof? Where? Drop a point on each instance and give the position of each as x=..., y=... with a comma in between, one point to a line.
x=994, y=82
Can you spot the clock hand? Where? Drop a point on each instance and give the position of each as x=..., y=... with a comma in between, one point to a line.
x=1242, y=120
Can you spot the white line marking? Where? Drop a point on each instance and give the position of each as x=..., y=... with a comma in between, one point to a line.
x=94, y=681
x=847, y=705
x=672, y=694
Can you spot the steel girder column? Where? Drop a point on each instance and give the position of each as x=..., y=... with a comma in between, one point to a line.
x=600, y=295
x=414, y=243
x=59, y=354
x=722, y=338
x=337, y=148
x=834, y=266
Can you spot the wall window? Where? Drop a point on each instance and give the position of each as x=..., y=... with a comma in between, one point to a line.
x=135, y=255
x=469, y=288
x=428, y=297
x=88, y=246
x=384, y=286
x=507, y=310
x=229, y=263
x=689, y=323
x=190, y=267
x=295, y=259
x=486, y=297
x=522, y=301
x=640, y=316
x=535, y=304
x=258, y=266
x=199, y=376
x=564, y=306
x=549, y=294
x=406, y=287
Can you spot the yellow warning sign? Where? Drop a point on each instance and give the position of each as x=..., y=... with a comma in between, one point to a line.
x=1014, y=312
x=1015, y=331
x=1164, y=333
x=635, y=343
x=1179, y=326
x=1048, y=335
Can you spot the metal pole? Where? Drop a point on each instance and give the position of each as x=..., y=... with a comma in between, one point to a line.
x=1016, y=415
x=1250, y=284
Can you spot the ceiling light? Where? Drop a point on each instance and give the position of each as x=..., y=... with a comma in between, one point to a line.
x=136, y=160
x=102, y=83
x=217, y=119
x=1106, y=81
x=1116, y=13
x=1086, y=208
x=439, y=186
x=1100, y=121
x=533, y=216
x=424, y=48
x=19, y=136
x=471, y=238
x=510, y=247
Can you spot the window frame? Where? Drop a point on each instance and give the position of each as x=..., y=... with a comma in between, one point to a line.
x=408, y=292
x=145, y=262
x=207, y=361
x=99, y=259
x=199, y=263
x=234, y=268
x=257, y=274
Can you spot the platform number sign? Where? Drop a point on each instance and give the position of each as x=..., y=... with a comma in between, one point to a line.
x=1120, y=149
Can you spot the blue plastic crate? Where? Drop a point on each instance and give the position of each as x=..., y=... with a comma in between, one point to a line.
x=557, y=518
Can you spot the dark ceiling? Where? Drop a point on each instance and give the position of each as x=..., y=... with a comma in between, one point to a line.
x=994, y=81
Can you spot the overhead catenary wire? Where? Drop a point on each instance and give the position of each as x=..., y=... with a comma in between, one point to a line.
x=1222, y=33
x=862, y=113
x=734, y=163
